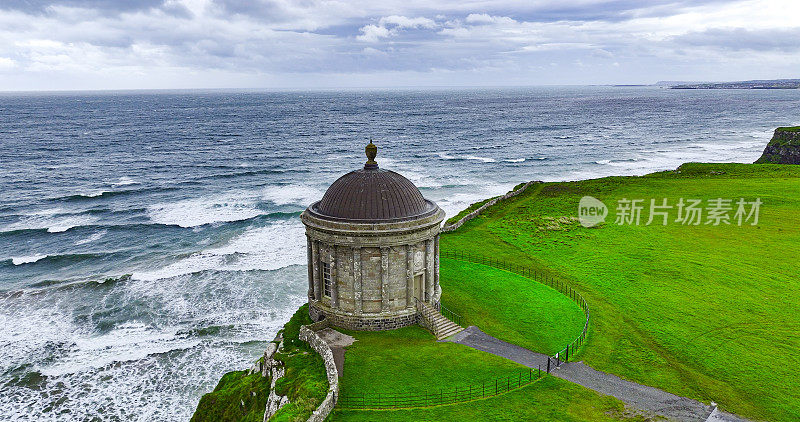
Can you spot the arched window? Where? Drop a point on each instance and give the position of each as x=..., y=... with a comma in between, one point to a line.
x=326, y=279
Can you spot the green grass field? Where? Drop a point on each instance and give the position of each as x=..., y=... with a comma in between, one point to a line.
x=410, y=360
x=708, y=312
x=510, y=306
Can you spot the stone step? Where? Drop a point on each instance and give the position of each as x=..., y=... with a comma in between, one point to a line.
x=443, y=323
x=449, y=332
x=440, y=326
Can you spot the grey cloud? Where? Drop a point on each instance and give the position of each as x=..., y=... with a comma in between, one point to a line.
x=739, y=39
x=258, y=8
x=304, y=37
x=609, y=11
x=36, y=7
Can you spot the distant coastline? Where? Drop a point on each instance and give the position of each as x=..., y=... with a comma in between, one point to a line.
x=752, y=84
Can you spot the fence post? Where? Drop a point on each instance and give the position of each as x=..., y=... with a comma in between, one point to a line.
x=548, y=364
x=495, y=387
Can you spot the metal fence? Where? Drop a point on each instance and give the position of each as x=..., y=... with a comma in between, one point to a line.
x=458, y=394
x=570, y=349
x=452, y=316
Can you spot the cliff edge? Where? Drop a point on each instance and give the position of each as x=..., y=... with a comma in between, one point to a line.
x=783, y=148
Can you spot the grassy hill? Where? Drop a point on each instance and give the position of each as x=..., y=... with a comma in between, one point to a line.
x=704, y=311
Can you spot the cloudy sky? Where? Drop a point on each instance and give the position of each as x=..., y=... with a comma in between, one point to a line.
x=114, y=44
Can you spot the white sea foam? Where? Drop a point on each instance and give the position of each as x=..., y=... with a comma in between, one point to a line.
x=28, y=328
x=126, y=342
x=19, y=260
x=446, y=156
x=92, y=238
x=747, y=150
x=481, y=159
x=234, y=206
x=514, y=160
x=293, y=194
x=124, y=181
x=47, y=212
x=136, y=370
x=92, y=194
x=453, y=203
x=66, y=223
x=264, y=248
x=199, y=211
x=51, y=220
x=413, y=171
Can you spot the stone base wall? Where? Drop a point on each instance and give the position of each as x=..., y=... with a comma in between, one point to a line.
x=363, y=322
x=315, y=313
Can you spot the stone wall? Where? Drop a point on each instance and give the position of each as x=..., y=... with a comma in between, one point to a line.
x=473, y=214
x=376, y=322
x=308, y=335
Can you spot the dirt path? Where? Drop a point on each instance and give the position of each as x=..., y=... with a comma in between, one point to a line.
x=338, y=342
x=634, y=395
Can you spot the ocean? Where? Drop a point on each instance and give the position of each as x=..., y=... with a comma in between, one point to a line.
x=150, y=241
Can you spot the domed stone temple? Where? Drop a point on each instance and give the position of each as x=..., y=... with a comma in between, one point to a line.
x=373, y=249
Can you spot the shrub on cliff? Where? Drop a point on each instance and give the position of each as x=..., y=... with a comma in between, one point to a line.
x=291, y=330
x=243, y=398
x=305, y=382
x=783, y=148
x=237, y=397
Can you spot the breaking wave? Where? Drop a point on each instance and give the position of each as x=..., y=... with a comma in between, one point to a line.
x=265, y=248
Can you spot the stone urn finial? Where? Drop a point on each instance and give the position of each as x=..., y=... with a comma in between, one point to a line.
x=371, y=151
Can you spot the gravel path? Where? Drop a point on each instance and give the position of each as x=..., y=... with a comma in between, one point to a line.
x=635, y=395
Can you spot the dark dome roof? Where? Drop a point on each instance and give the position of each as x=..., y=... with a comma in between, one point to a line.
x=373, y=194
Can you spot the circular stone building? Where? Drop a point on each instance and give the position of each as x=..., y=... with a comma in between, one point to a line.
x=373, y=249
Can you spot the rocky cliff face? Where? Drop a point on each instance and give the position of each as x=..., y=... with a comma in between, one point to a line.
x=783, y=148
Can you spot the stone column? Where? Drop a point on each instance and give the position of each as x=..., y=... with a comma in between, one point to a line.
x=309, y=256
x=429, y=273
x=334, y=278
x=409, y=277
x=437, y=287
x=357, y=283
x=384, y=279
x=315, y=268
